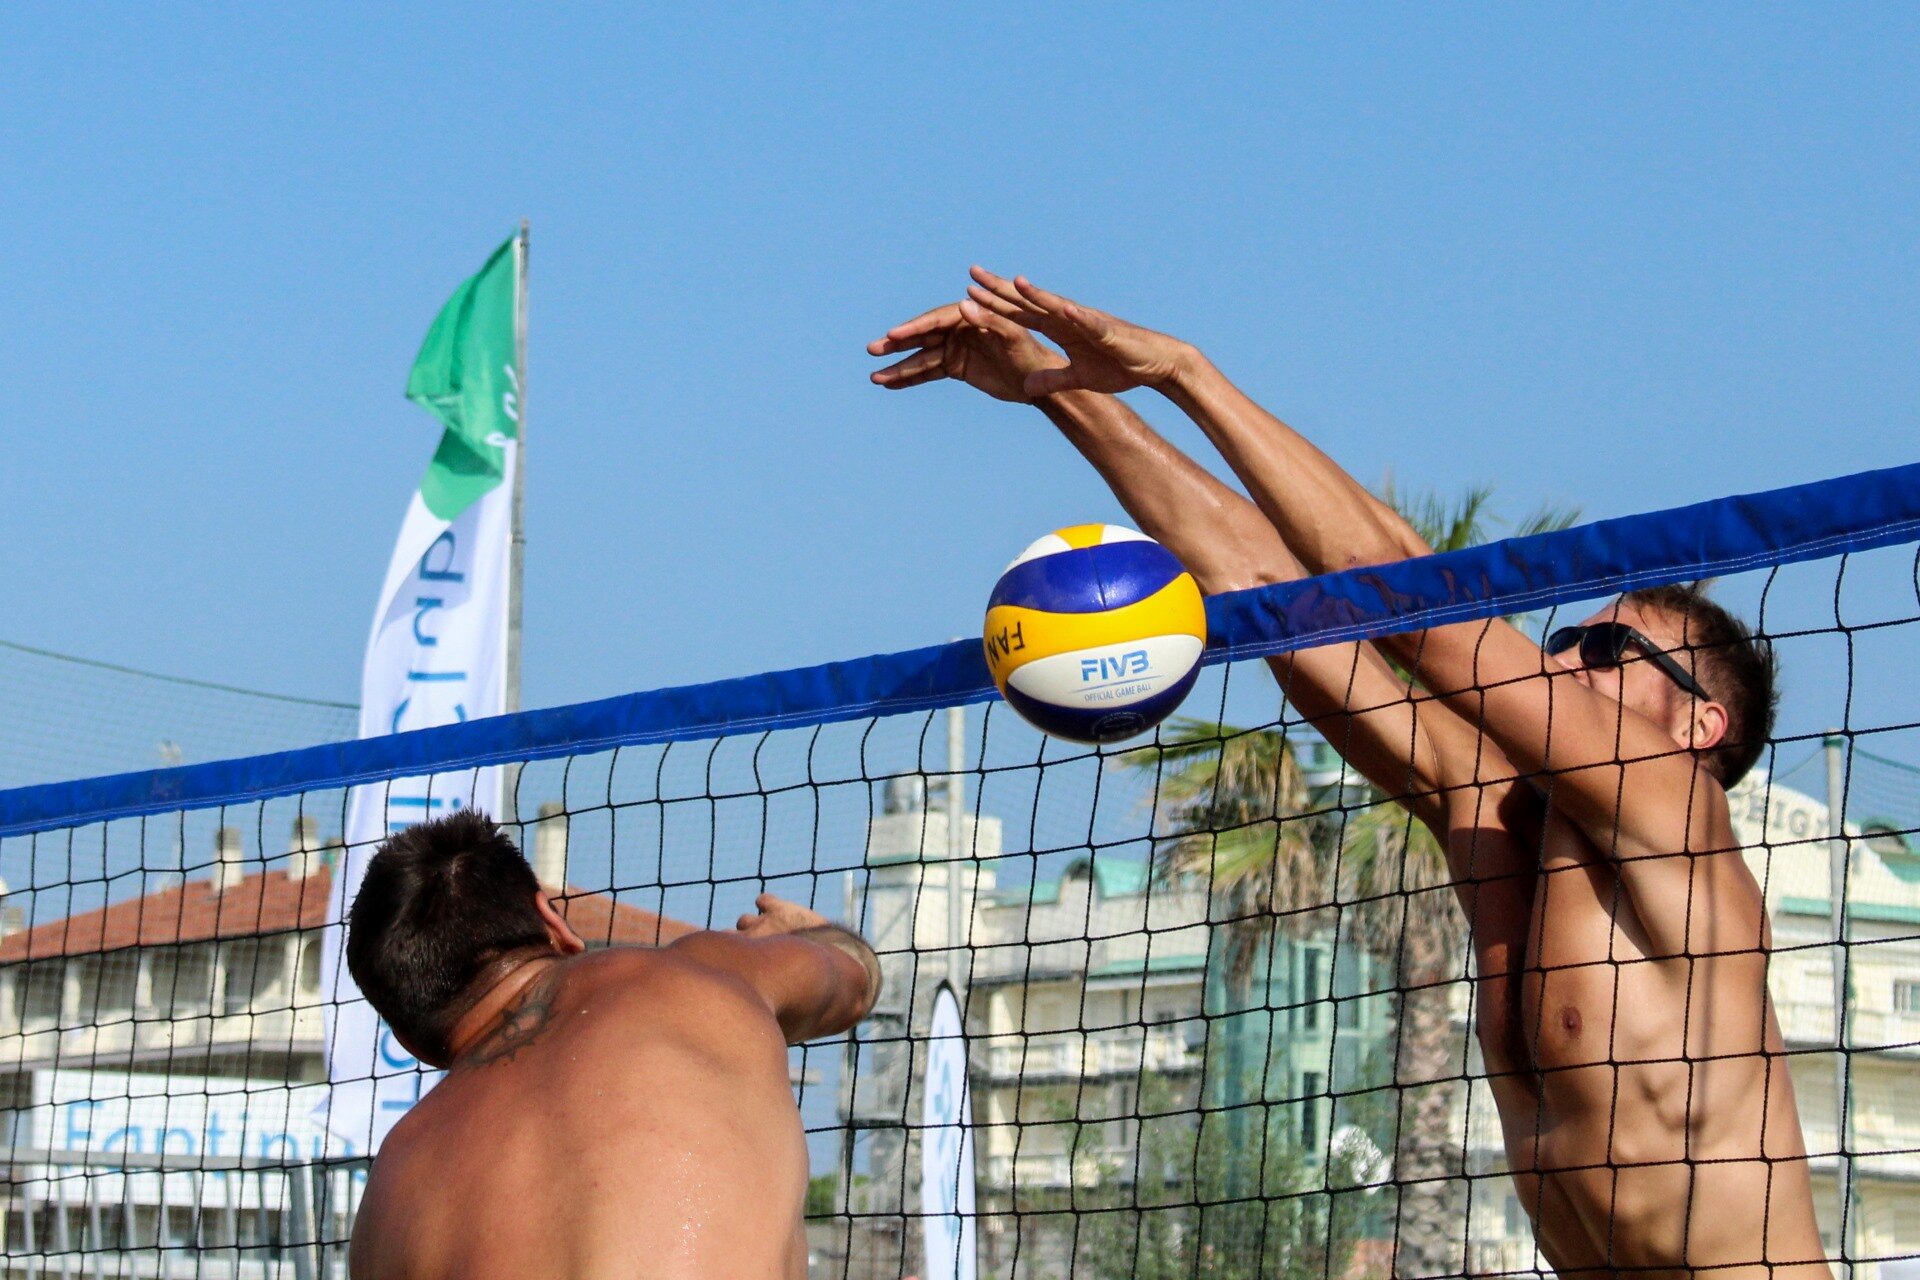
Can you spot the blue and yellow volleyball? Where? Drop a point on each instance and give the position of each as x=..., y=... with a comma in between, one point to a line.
x=1094, y=634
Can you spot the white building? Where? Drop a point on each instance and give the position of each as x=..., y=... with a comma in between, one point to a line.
x=183, y=1029
x=1784, y=833
x=1073, y=987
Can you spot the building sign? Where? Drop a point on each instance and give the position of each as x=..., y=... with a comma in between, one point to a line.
x=186, y=1119
x=1767, y=813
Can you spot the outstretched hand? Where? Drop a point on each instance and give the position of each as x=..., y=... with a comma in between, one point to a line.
x=968, y=343
x=1104, y=353
x=777, y=916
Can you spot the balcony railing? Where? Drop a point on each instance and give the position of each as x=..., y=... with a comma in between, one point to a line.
x=1879, y=1030
x=1089, y=1167
x=133, y=1214
x=277, y=1028
x=1098, y=1054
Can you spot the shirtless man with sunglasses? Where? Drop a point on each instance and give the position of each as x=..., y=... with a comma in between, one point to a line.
x=1619, y=939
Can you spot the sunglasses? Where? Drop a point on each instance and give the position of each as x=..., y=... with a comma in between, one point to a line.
x=1604, y=644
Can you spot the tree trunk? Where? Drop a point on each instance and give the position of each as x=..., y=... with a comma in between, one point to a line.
x=1429, y=1078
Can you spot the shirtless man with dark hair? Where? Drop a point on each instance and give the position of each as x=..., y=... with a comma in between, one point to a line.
x=625, y=1112
x=1619, y=939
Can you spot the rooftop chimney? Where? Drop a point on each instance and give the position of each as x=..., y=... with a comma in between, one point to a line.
x=303, y=848
x=550, y=847
x=230, y=852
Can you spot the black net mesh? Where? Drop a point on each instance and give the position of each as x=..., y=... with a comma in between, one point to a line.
x=1218, y=991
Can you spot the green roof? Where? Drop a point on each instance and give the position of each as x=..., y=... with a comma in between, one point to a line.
x=1012, y=895
x=1112, y=878
x=1117, y=877
x=1884, y=913
x=1152, y=964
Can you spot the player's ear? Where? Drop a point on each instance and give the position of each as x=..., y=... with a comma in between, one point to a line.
x=1708, y=725
x=559, y=932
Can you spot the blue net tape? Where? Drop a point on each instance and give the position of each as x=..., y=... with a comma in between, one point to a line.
x=1725, y=535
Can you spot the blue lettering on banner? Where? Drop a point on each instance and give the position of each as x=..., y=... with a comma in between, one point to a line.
x=459, y=708
x=395, y=1054
x=79, y=1124
x=134, y=1138
x=278, y=1145
x=443, y=572
x=422, y=606
x=428, y=807
x=127, y=1138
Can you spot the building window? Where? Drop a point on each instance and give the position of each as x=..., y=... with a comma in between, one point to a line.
x=1906, y=996
x=250, y=972
x=1312, y=1085
x=182, y=980
x=40, y=995
x=310, y=967
x=106, y=984
x=1312, y=961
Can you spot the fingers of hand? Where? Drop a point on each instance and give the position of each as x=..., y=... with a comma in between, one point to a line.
x=926, y=329
x=988, y=283
x=994, y=322
x=1017, y=313
x=922, y=366
x=1035, y=296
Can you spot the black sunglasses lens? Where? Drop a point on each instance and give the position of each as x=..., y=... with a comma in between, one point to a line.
x=1605, y=644
x=1563, y=639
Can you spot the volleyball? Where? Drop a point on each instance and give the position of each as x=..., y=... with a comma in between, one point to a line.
x=1094, y=633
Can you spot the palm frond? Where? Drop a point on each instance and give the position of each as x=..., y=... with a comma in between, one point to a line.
x=1548, y=517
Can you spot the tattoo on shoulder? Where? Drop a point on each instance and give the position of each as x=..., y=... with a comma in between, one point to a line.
x=524, y=1021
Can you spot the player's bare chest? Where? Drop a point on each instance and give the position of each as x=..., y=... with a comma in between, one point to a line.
x=1588, y=990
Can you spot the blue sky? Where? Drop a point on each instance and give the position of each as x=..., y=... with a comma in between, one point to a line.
x=1623, y=260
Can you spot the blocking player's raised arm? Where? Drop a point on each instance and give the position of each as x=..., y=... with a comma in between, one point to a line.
x=1636, y=794
x=1327, y=518
x=1349, y=692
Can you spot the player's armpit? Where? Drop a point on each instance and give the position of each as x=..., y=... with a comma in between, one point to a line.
x=1413, y=748
x=1635, y=794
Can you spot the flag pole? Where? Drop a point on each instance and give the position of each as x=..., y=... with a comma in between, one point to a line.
x=518, y=546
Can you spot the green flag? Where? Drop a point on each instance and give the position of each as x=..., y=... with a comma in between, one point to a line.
x=465, y=375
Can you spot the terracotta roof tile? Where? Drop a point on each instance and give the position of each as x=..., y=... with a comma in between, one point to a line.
x=193, y=911
x=268, y=902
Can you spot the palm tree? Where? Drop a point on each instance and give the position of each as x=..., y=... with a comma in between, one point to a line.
x=1278, y=857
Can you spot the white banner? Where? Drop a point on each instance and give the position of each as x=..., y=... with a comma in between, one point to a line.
x=946, y=1148
x=186, y=1119
x=437, y=656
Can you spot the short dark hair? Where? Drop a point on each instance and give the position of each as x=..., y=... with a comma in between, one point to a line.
x=439, y=903
x=1737, y=667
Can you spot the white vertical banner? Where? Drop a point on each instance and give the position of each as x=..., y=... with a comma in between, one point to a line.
x=946, y=1149
x=437, y=655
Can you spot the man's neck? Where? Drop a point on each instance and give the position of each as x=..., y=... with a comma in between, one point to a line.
x=501, y=985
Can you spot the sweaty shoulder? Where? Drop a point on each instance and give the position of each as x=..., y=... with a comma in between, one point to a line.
x=692, y=960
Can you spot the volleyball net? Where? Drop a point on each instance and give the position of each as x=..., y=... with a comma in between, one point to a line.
x=1196, y=1004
